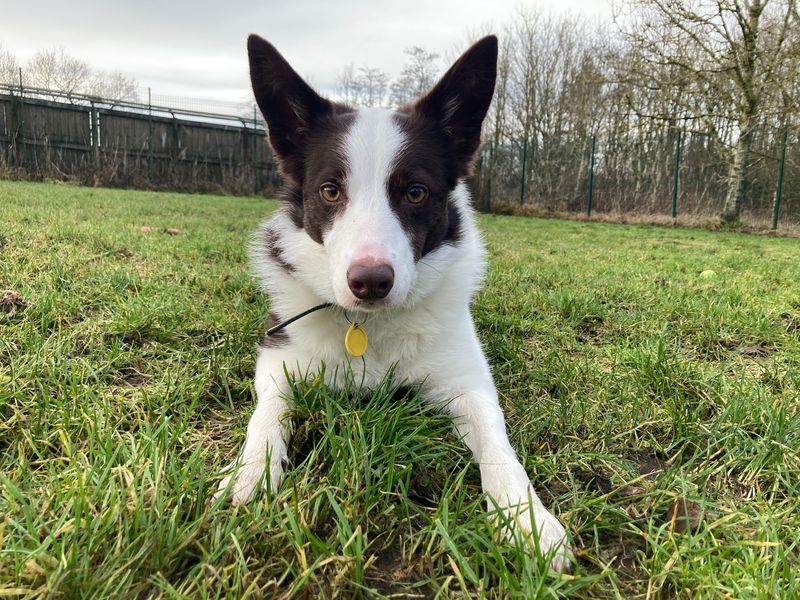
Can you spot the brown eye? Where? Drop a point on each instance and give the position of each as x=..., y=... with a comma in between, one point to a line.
x=330, y=192
x=416, y=193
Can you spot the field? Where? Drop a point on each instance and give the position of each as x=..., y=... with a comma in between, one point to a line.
x=656, y=409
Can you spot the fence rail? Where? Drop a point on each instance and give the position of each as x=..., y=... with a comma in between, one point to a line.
x=46, y=134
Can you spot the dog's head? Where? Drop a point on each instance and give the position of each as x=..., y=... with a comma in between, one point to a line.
x=374, y=187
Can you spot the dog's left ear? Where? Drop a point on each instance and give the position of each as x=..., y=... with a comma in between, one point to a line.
x=460, y=100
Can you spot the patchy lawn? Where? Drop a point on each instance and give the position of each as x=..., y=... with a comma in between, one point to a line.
x=650, y=377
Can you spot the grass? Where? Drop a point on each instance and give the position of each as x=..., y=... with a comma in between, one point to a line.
x=655, y=409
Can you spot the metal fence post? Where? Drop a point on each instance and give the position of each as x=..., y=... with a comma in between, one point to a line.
x=255, y=150
x=522, y=175
x=779, y=187
x=149, y=137
x=176, y=150
x=491, y=171
x=479, y=182
x=675, y=177
x=95, y=122
x=19, y=136
x=591, y=178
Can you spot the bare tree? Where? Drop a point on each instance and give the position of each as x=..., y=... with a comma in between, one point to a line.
x=714, y=58
x=366, y=87
x=9, y=68
x=416, y=78
x=550, y=98
x=113, y=86
x=347, y=85
x=54, y=69
x=374, y=83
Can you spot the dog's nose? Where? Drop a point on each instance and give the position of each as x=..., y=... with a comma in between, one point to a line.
x=370, y=282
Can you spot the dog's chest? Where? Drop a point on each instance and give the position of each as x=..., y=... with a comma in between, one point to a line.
x=400, y=343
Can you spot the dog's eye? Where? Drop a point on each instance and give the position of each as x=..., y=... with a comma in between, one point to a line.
x=330, y=192
x=416, y=193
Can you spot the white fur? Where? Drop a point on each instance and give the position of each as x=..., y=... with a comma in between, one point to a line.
x=369, y=230
x=426, y=333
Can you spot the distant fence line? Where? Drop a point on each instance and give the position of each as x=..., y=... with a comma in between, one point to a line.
x=676, y=173
x=50, y=135
x=46, y=134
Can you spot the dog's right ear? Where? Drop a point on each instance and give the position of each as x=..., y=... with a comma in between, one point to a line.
x=288, y=103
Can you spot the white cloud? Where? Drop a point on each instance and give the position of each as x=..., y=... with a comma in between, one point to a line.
x=198, y=48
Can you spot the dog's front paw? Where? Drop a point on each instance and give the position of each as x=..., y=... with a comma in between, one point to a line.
x=549, y=535
x=245, y=478
x=242, y=481
x=552, y=539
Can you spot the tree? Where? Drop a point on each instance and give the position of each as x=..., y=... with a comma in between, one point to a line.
x=716, y=59
x=347, y=85
x=9, y=68
x=416, y=78
x=113, y=86
x=549, y=100
x=54, y=69
x=367, y=87
x=373, y=85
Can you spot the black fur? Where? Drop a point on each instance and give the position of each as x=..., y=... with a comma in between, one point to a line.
x=442, y=130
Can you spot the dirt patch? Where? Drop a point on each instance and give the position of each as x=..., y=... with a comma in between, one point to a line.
x=752, y=350
x=587, y=332
x=11, y=301
x=791, y=321
x=755, y=350
x=392, y=575
x=130, y=377
x=648, y=465
x=684, y=515
x=622, y=555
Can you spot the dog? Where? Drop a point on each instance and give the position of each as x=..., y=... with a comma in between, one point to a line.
x=376, y=226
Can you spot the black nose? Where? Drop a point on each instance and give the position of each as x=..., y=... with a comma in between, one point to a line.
x=370, y=282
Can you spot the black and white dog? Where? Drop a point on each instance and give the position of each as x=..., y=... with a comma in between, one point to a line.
x=376, y=220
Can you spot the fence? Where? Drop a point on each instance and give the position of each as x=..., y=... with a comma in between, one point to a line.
x=677, y=174
x=46, y=134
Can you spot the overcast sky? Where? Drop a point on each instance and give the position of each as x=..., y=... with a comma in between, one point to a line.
x=197, y=48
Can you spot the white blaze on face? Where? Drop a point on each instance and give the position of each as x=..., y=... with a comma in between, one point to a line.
x=368, y=230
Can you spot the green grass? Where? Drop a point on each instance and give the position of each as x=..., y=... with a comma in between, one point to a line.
x=631, y=385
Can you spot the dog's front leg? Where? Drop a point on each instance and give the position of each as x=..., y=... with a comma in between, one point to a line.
x=267, y=433
x=479, y=421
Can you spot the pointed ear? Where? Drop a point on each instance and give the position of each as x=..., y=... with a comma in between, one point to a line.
x=459, y=102
x=288, y=103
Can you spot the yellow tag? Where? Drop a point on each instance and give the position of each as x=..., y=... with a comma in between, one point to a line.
x=355, y=340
